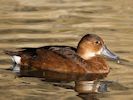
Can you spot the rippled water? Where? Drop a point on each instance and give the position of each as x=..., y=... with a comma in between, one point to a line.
x=33, y=23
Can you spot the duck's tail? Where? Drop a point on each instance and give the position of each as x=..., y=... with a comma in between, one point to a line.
x=10, y=53
x=16, y=58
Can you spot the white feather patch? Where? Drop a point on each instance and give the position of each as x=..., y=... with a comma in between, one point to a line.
x=16, y=59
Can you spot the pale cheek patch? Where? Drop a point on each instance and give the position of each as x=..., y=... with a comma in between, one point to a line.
x=100, y=51
x=16, y=59
x=92, y=54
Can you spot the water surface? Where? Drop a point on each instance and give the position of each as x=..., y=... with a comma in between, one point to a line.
x=34, y=23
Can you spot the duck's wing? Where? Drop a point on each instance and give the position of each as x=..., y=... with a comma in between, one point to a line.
x=67, y=52
x=64, y=51
x=57, y=49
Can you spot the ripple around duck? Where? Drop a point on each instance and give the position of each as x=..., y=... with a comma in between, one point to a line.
x=25, y=21
x=24, y=40
x=22, y=31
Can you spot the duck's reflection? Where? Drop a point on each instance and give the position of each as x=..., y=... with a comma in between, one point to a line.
x=90, y=96
x=87, y=90
x=83, y=84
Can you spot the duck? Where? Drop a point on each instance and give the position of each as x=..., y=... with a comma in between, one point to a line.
x=87, y=59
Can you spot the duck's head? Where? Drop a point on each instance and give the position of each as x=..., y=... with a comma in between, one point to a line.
x=91, y=45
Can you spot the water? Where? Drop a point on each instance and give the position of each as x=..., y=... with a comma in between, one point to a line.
x=34, y=23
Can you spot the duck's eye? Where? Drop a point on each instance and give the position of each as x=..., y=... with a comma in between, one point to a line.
x=97, y=42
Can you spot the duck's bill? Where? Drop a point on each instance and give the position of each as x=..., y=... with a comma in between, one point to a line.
x=106, y=52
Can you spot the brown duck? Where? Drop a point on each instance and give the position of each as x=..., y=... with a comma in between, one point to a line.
x=86, y=59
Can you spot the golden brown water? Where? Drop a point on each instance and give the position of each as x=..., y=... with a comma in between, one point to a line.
x=33, y=23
